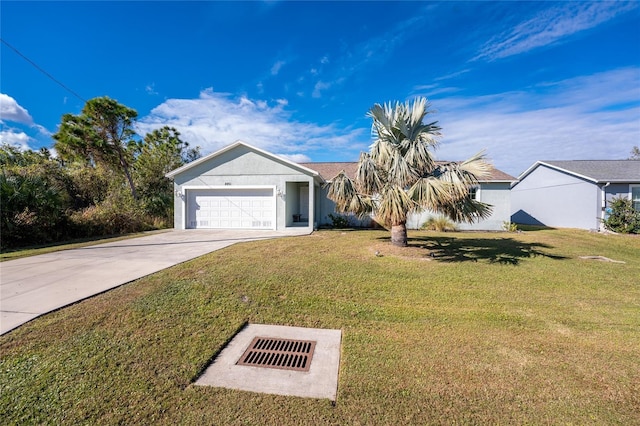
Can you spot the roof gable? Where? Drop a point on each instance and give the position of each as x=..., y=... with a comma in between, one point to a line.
x=597, y=171
x=240, y=145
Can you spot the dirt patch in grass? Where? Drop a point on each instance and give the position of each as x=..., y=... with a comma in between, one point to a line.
x=415, y=252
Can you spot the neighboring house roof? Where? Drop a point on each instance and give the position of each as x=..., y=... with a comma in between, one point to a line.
x=201, y=160
x=330, y=170
x=597, y=171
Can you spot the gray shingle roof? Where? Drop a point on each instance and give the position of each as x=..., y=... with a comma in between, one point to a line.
x=601, y=170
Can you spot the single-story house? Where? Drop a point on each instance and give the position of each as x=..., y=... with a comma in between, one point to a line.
x=573, y=194
x=244, y=187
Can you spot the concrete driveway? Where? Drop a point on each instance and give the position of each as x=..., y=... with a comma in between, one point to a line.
x=33, y=286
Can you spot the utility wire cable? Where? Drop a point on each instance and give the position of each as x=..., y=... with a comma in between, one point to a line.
x=42, y=70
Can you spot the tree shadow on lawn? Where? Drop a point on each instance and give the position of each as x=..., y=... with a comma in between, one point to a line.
x=494, y=250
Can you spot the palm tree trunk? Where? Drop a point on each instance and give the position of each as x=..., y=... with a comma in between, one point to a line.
x=399, y=234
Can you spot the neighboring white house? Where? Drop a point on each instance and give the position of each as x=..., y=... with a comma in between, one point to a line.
x=244, y=187
x=573, y=194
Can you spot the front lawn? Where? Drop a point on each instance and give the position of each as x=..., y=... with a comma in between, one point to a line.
x=480, y=328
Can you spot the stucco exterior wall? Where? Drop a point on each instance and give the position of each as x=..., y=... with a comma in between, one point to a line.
x=240, y=167
x=325, y=206
x=553, y=198
x=495, y=193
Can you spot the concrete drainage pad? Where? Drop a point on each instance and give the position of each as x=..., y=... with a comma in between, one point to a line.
x=320, y=381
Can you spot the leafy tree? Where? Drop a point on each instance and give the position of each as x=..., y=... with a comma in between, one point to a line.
x=101, y=134
x=160, y=152
x=90, y=186
x=635, y=153
x=623, y=217
x=400, y=176
x=33, y=197
x=11, y=156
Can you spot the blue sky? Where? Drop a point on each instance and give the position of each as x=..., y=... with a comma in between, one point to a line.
x=525, y=81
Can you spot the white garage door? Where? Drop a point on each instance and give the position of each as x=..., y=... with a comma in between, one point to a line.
x=237, y=208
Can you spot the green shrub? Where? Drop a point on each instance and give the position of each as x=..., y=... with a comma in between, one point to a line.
x=439, y=223
x=339, y=221
x=33, y=206
x=623, y=218
x=116, y=215
x=509, y=226
x=91, y=185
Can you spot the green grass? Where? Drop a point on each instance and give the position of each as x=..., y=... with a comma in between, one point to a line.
x=494, y=328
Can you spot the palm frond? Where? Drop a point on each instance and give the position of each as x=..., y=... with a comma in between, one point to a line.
x=342, y=191
x=361, y=206
x=383, y=122
x=394, y=205
x=466, y=210
x=417, y=111
x=380, y=152
x=430, y=193
x=418, y=155
x=401, y=173
x=463, y=176
x=368, y=177
x=477, y=166
x=428, y=134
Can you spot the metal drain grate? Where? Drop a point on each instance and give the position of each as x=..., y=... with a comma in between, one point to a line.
x=284, y=354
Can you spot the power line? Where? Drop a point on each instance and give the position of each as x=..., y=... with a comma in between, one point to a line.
x=42, y=70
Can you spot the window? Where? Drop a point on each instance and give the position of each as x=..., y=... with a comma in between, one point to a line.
x=634, y=195
x=474, y=193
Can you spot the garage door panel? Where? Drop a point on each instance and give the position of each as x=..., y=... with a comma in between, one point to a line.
x=251, y=208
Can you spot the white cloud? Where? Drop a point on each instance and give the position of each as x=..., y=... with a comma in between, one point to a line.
x=431, y=90
x=151, y=89
x=17, y=139
x=319, y=87
x=551, y=26
x=422, y=87
x=10, y=110
x=42, y=131
x=275, y=69
x=453, y=75
x=23, y=131
x=296, y=158
x=214, y=120
x=587, y=117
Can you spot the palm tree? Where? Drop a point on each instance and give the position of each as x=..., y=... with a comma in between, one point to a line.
x=400, y=176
